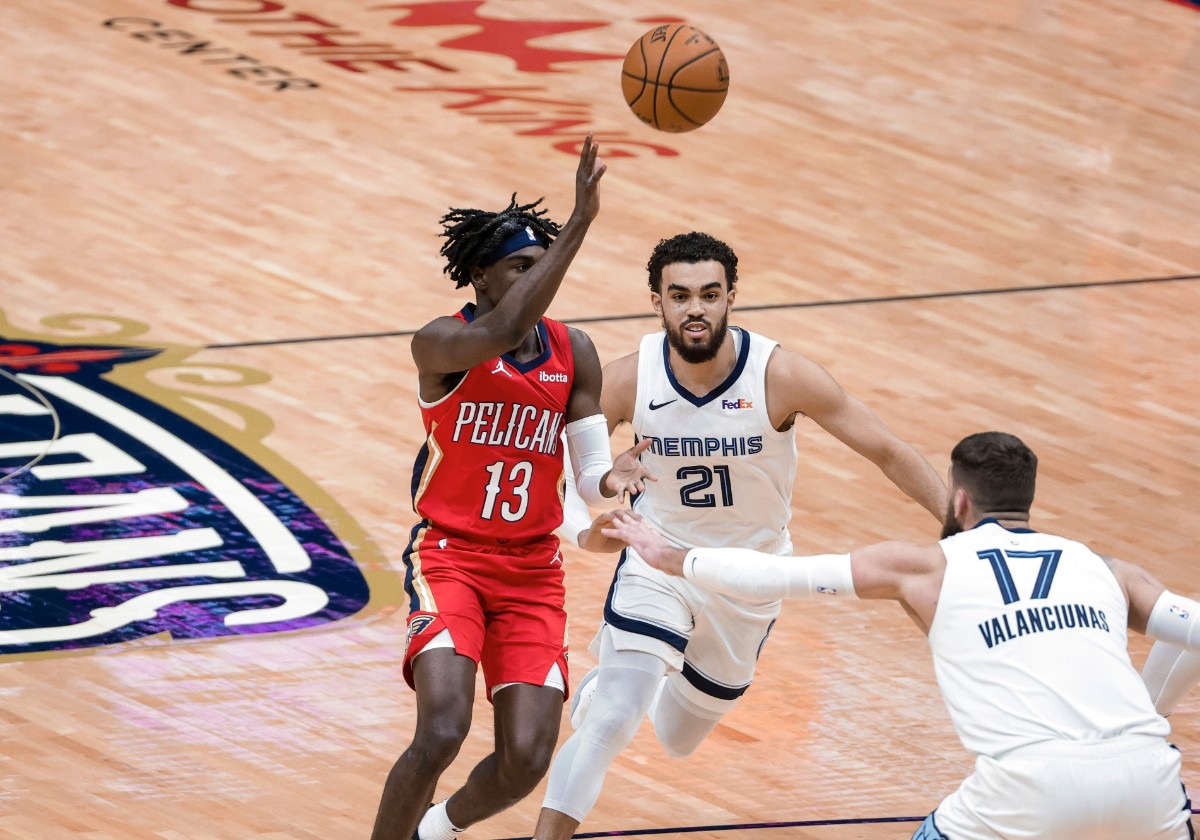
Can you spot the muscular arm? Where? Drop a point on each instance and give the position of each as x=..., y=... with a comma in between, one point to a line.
x=905, y=572
x=620, y=390
x=1173, y=666
x=448, y=345
x=796, y=384
x=1141, y=589
x=590, y=465
x=587, y=381
x=900, y=571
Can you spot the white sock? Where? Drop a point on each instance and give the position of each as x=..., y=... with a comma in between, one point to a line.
x=436, y=825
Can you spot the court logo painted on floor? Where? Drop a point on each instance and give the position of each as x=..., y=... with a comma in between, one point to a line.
x=130, y=509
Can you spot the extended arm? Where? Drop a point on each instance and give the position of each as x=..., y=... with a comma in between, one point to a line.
x=799, y=385
x=905, y=572
x=1170, y=673
x=1173, y=667
x=448, y=345
x=737, y=572
x=597, y=475
x=592, y=475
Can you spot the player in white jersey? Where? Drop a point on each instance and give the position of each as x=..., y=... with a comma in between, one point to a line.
x=719, y=405
x=1028, y=634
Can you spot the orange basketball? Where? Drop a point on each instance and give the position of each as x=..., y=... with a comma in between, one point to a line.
x=675, y=78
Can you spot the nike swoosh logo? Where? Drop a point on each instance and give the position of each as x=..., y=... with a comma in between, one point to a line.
x=654, y=407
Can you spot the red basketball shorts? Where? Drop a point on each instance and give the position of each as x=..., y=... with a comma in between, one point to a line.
x=503, y=605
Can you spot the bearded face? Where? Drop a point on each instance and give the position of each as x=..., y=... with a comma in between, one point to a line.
x=950, y=524
x=697, y=340
x=694, y=306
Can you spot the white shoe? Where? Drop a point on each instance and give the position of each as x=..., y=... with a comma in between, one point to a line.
x=582, y=701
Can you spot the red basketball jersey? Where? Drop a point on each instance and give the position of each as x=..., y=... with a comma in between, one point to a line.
x=491, y=468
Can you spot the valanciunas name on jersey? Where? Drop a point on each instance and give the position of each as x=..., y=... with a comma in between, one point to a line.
x=1028, y=620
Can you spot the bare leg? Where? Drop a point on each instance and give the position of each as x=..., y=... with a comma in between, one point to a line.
x=553, y=823
x=527, y=721
x=445, y=685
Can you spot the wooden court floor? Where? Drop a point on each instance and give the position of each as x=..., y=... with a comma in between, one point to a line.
x=976, y=215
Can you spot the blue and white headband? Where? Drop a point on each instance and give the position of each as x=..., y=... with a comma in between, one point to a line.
x=521, y=239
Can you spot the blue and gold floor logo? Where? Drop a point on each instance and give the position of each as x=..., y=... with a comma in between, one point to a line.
x=120, y=517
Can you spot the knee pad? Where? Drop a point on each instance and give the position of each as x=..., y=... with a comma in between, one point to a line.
x=612, y=721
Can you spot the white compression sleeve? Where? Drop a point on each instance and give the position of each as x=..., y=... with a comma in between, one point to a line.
x=576, y=516
x=1173, y=666
x=587, y=442
x=1170, y=673
x=625, y=687
x=1175, y=620
x=754, y=576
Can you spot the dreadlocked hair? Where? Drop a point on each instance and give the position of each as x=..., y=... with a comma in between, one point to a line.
x=472, y=234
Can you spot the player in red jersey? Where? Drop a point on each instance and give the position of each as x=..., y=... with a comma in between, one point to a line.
x=498, y=386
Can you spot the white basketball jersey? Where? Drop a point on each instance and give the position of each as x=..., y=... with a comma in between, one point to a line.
x=724, y=473
x=1029, y=643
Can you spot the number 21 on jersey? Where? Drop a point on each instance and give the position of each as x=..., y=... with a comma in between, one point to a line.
x=693, y=494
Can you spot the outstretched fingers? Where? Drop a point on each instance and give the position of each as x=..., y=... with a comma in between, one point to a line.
x=587, y=179
x=589, y=156
x=628, y=527
x=629, y=474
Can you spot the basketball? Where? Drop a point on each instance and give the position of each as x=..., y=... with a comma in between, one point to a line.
x=675, y=78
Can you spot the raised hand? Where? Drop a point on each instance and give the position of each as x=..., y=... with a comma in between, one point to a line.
x=587, y=180
x=628, y=473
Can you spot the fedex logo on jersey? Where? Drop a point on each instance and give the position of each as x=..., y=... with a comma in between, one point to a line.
x=526, y=427
x=736, y=405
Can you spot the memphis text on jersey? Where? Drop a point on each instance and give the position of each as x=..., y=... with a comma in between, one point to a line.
x=692, y=447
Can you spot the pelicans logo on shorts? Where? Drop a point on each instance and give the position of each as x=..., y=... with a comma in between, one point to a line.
x=416, y=627
x=128, y=510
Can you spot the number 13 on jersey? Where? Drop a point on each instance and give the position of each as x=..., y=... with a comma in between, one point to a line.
x=515, y=485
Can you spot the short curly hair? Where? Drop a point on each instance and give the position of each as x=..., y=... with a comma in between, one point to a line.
x=690, y=247
x=473, y=234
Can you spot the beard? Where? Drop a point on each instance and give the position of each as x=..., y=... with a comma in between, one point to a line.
x=950, y=525
x=692, y=353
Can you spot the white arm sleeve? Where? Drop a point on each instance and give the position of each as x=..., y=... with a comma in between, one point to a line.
x=587, y=443
x=1176, y=620
x=754, y=576
x=1173, y=666
x=576, y=516
x=1170, y=673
